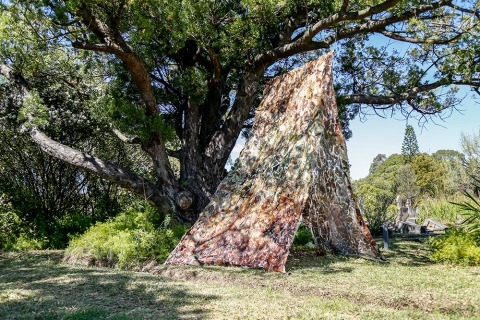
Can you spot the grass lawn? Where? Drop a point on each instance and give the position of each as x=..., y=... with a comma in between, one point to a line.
x=38, y=285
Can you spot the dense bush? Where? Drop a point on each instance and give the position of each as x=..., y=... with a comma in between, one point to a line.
x=462, y=244
x=9, y=224
x=456, y=247
x=14, y=234
x=134, y=238
x=303, y=236
x=38, y=234
x=441, y=209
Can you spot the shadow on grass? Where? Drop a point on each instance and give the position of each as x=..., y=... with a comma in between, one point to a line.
x=39, y=286
x=405, y=251
x=301, y=258
x=408, y=251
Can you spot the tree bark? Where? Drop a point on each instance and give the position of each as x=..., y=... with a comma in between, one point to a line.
x=293, y=166
x=127, y=179
x=191, y=170
x=203, y=160
x=216, y=153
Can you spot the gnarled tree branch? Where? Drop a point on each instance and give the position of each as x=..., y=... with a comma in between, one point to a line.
x=398, y=37
x=113, y=42
x=412, y=93
x=304, y=41
x=379, y=25
x=124, y=138
x=102, y=168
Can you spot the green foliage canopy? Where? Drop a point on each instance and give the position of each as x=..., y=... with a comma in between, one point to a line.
x=183, y=78
x=379, y=158
x=456, y=177
x=430, y=174
x=406, y=183
x=471, y=148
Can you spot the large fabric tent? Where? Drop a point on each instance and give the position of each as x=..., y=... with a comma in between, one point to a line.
x=294, y=166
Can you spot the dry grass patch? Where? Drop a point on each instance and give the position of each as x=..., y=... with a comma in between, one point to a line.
x=38, y=285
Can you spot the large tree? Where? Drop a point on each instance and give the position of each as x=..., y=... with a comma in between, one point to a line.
x=197, y=68
x=410, y=145
x=377, y=161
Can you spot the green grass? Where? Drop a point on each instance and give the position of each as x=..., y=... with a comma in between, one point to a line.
x=38, y=285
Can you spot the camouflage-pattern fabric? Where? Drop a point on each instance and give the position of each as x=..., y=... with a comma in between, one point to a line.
x=293, y=166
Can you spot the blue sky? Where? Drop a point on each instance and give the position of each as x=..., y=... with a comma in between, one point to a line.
x=373, y=135
x=376, y=135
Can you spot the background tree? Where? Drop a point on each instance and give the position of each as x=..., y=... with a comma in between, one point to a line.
x=376, y=203
x=410, y=145
x=430, y=174
x=377, y=161
x=456, y=177
x=385, y=173
x=192, y=71
x=377, y=192
x=406, y=183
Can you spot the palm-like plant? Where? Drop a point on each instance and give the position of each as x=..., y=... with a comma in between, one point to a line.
x=471, y=210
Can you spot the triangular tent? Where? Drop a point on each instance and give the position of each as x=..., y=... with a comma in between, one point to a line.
x=293, y=166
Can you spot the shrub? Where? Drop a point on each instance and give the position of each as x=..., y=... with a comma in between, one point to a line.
x=303, y=236
x=471, y=210
x=15, y=234
x=456, y=247
x=25, y=242
x=440, y=209
x=9, y=225
x=132, y=239
x=462, y=244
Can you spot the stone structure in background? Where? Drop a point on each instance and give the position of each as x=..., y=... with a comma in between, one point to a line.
x=402, y=214
x=434, y=225
x=406, y=220
x=294, y=165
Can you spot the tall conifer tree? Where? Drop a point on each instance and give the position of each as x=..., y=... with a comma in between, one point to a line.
x=410, y=144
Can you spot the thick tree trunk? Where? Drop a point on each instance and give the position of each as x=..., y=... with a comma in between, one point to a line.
x=195, y=183
x=223, y=140
x=294, y=165
x=164, y=173
x=203, y=161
